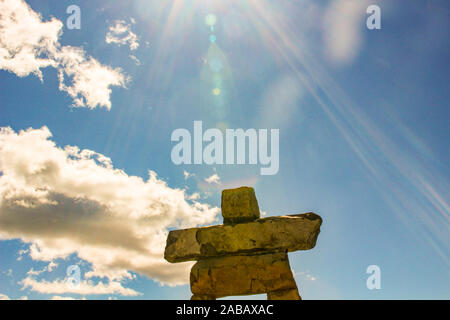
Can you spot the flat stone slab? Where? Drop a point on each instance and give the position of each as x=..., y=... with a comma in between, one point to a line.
x=267, y=235
x=243, y=275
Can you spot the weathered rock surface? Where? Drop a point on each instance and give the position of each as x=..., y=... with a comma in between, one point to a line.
x=247, y=254
x=239, y=205
x=243, y=275
x=290, y=294
x=202, y=297
x=266, y=235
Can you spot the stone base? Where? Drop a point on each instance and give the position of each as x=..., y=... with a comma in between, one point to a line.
x=202, y=297
x=290, y=294
x=244, y=275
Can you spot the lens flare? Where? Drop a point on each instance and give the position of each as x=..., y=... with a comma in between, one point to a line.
x=210, y=20
x=215, y=64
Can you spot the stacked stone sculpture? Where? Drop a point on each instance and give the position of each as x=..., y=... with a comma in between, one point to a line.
x=247, y=254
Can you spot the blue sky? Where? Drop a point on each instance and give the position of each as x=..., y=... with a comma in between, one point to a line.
x=363, y=119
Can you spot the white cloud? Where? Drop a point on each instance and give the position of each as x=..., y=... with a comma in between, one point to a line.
x=28, y=44
x=213, y=179
x=305, y=275
x=4, y=297
x=51, y=266
x=26, y=41
x=65, y=298
x=136, y=60
x=343, y=22
x=48, y=268
x=187, y=175
x=21, y=253
x=66, y=200
x=120, y=33
x=90, y=81
x=194, y=196
x=83, y=288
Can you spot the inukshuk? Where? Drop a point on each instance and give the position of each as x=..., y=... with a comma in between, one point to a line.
x=247, y=254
